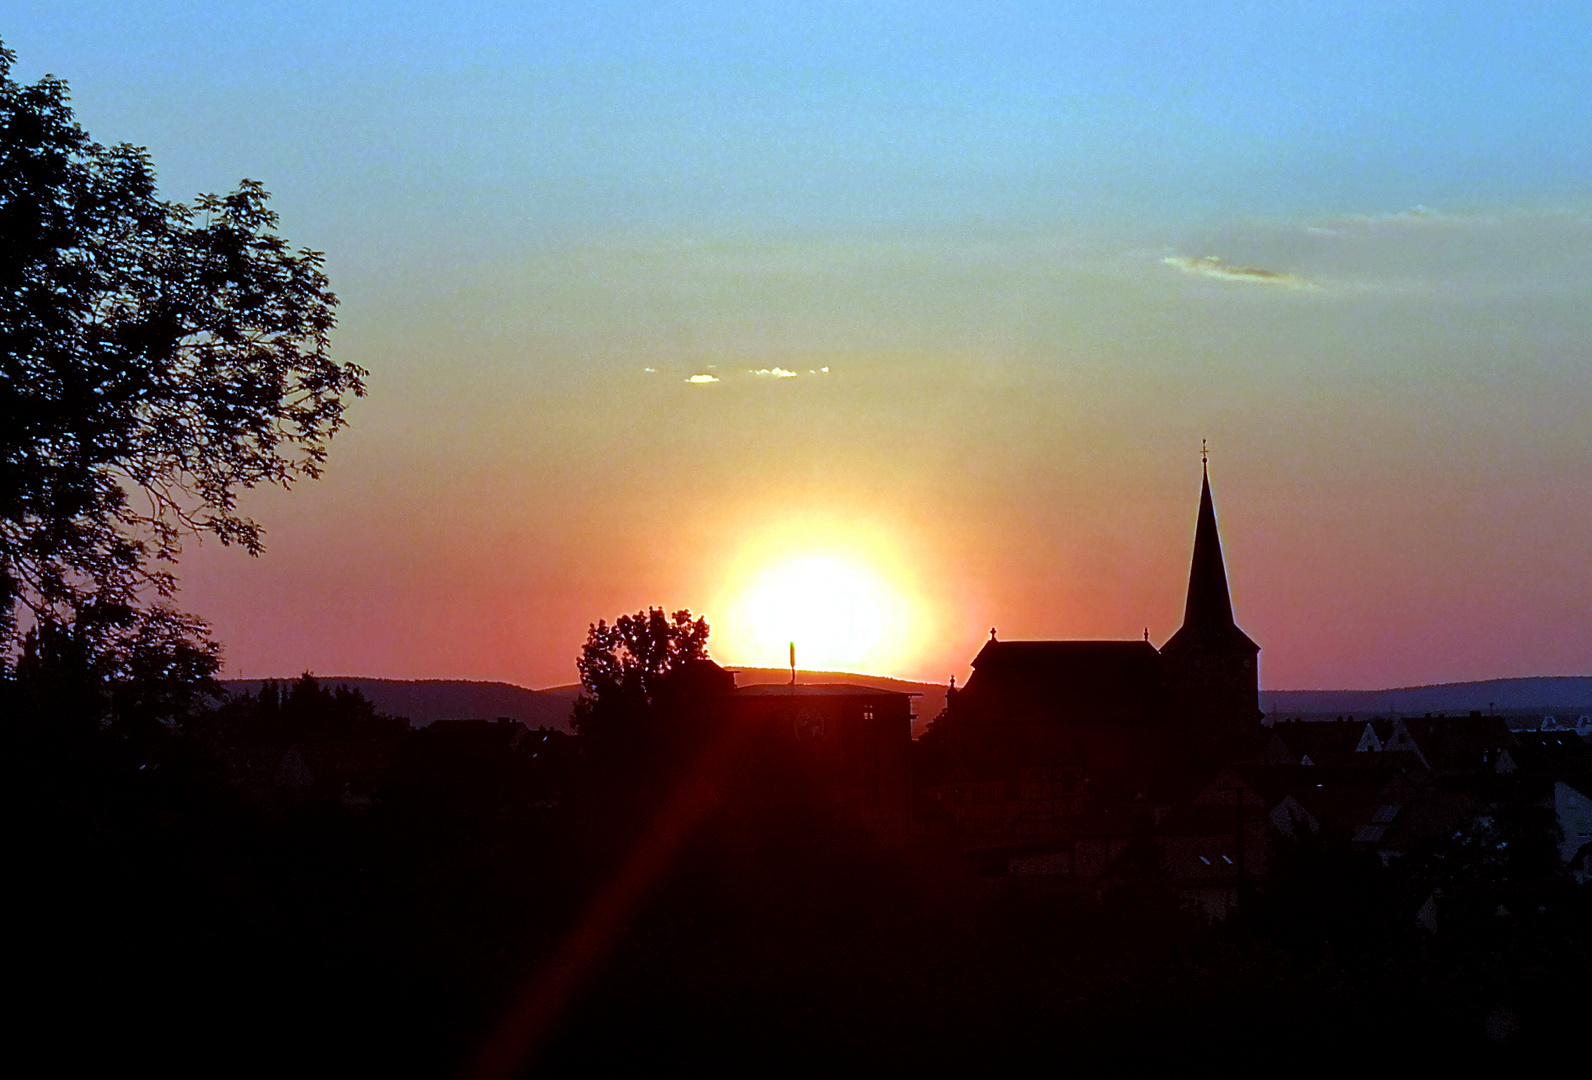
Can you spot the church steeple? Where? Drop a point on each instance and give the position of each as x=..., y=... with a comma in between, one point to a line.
x=1209, y=605
x=1209, y=665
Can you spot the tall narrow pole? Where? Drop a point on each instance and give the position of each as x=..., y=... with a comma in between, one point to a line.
x=793, y=663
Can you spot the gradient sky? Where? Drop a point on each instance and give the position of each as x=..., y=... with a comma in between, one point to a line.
x=1041, y=253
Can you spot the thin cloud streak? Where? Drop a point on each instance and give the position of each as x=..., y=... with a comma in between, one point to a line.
x=1212, y=266
x=1415, y=215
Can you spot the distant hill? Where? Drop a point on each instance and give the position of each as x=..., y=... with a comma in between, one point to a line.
x=425, y=700
x=1566, y=694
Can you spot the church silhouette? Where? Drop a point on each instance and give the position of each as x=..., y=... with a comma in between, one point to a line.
x=1069, y=726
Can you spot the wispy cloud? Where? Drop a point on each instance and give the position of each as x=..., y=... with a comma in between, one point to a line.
x=1415, y=215
x=1212, y=266
x=703, y=379
x=775, y=372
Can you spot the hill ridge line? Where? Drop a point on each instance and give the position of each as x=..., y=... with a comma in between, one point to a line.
x=1429, y=686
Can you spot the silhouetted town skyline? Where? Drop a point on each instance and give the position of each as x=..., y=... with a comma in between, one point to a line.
x=667, y=344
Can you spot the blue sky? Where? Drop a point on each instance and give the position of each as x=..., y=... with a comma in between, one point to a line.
x=527, y=121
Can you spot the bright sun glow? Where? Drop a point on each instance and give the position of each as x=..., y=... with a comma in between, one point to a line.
x=845, y=610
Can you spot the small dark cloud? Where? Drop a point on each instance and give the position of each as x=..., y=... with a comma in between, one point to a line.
x=1212, y=266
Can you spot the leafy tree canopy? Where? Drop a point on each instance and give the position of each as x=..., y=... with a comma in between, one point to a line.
x=629, y=662
x=647, y=678
x=137, y=673
x=155, y=358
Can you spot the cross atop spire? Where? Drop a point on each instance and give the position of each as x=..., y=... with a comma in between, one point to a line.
x=1205, y=454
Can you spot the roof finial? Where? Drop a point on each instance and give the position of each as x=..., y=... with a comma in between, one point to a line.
x=992, y=633
x=1205, y=454
x=1146, y=633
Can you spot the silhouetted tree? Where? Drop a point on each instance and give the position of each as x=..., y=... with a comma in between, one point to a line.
x=134, y=671
x=631, y=672
x=1506, y=857
x=304, y=709
x=631, y=658
x=155, y=357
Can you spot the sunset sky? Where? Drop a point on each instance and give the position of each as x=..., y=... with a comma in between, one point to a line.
x=970, y=289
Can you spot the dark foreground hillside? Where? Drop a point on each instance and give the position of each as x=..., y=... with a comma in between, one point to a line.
x=183, y=906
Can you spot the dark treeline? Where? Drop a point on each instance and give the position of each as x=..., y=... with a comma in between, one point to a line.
x=293, y=881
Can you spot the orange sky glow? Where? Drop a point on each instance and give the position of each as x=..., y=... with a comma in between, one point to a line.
x=875, y=328
x=1386, y=521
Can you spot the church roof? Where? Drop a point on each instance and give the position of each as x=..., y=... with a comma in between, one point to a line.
x=1060, y=657
x=1084, y=678
x=1208, y=611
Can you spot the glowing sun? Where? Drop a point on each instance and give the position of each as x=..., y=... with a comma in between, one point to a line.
x=842, y=613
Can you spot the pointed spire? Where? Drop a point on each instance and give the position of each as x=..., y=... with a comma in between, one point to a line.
x=1209, y=605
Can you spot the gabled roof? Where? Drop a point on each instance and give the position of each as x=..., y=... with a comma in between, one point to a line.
x=1433, y=815
x=1317, y=738
x=1337, y=799
x=812, y=690
x=1083, y=679
x=1064, y=657
x=1557, y=754
x=1272, y=782
x=1453, y=743
x=1207, y=819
